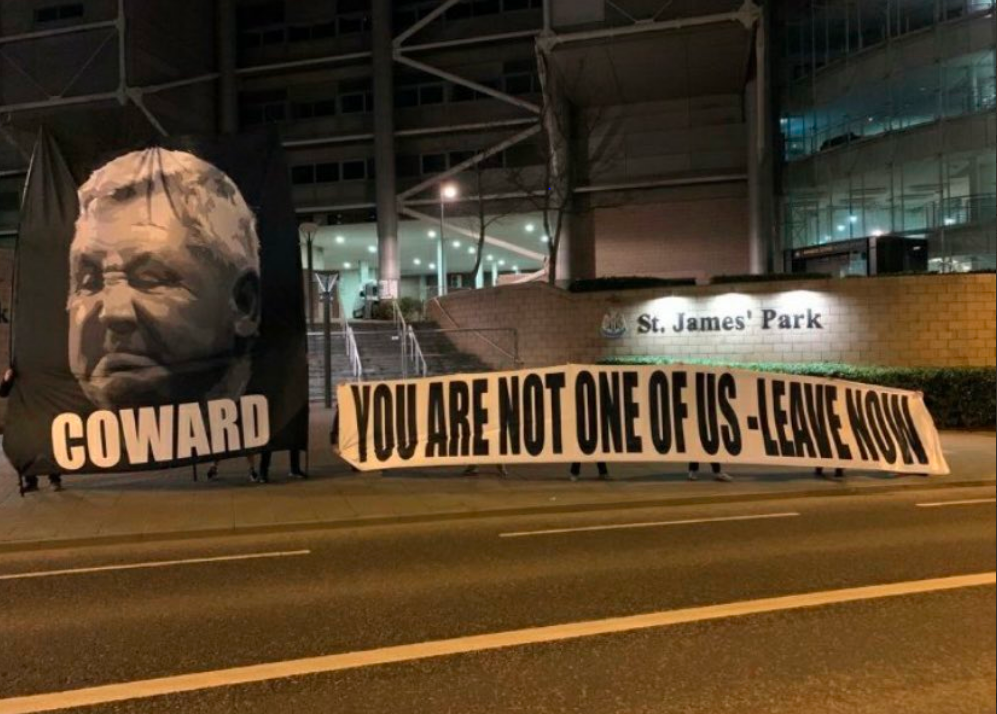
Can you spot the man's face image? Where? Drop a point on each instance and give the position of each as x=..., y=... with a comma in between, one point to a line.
x=153, y=316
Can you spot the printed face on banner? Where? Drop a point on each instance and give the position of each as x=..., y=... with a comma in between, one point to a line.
x=164, y=299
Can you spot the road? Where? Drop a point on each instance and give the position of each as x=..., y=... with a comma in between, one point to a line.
x=74, y=621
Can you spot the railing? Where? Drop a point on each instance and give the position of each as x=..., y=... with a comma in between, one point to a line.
x=350, y=338
x=415, y=353
x=412, y=357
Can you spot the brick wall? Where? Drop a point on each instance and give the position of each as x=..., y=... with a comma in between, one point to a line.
x=903, y=321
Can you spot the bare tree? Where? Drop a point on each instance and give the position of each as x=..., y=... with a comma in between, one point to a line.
x=549, y=187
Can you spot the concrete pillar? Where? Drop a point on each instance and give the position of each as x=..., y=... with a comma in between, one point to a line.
x=364, y=268
x=228, y=90
x=479, y=277
x=494, y=274
x=764, y=250
x=574, y=251
x=389, y=263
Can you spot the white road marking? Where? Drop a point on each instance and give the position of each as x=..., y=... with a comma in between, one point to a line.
x=654, y=524
x=145, y=689
x=154, y=564
x=967, y=502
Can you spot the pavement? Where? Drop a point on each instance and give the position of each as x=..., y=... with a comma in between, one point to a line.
x=170, y=504
x=872, y=603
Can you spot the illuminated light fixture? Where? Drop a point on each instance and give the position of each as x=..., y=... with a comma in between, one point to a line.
x=545, y=238
x=432, y=234
x=417, y=261
x=340, y=240
x=472, y=250
x=372, y=249
x=449, y=192
x=530, y=227
x=456, y=244
x=878, y=233
x=950, y=221
x=347, y=265
x=501, y=262
x=853, y=219
x=515, y=268
x=841, y=228
x=432, y=266
x=491, y=258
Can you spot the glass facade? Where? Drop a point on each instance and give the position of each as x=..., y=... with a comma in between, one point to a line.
x=887, y=123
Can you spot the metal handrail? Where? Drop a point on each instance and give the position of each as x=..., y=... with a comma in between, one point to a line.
x=350, y=338
x=412, y=356
x=418, y=358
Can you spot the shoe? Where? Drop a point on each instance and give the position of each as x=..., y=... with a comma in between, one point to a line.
x=212, y=473
x=30, y=487
x=57, y=485
x=723, y=477
x=298, y=474
x=503, y=471
x=256, y=477
x=604, y=477
x=693, y=476
x=573, y=478
x=471, y=471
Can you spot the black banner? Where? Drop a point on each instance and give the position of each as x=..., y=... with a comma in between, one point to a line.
x=158, y=308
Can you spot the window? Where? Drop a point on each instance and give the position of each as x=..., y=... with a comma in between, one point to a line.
x=517, y=5
x=434, y=163
x=263, y=107
x=407, y=97
x=459, y=157
x=55, y=13
x=327, y=173
x=483, y=8
x=407, y=165
x=431, y=94
x=260, y=15
x=352, y=25
x=519, y=84
x=353, y=6
x=460, y=11
x=354, y=170
x=324, y=30
x=353, y=103
x=302, y=175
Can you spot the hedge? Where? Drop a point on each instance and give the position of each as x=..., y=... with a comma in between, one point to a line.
x=957, y=397
x=767, y=278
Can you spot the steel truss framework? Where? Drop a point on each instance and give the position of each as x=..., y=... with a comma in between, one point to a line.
x=547, y=41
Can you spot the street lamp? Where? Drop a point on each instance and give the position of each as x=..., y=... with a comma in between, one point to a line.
x=448, y=192
x=308, y=230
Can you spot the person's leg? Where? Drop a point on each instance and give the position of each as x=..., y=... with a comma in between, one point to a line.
x=503, y=471
x=694, y=471
x=471, y=470
x=603, y=470
x=266, y=458
x=30, y=484
x=576, y=468
x=719, y=475
x=296, y=470
x=254, y=475
x=55, y=481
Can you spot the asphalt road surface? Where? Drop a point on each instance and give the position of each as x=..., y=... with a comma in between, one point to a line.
x=846, y=604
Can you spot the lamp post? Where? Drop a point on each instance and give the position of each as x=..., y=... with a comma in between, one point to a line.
x=327, y=288
x=448, y=192
x=309, y=230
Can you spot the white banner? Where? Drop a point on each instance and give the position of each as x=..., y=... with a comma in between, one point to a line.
x=678, y=414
